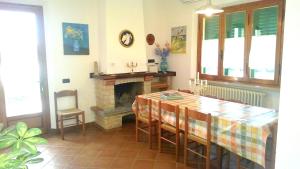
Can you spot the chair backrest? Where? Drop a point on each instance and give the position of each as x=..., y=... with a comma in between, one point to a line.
x=171, y=109
x=196, y=115
x=65, y=93
x=143, y=102
x=185, y=91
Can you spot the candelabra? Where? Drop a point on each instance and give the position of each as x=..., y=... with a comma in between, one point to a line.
x=132, y=65
x=198, y=86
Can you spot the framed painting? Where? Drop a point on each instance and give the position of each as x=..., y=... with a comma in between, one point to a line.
x=178, y=40
x=75, y=39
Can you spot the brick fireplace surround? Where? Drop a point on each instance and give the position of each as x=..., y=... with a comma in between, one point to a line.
x=107, y=115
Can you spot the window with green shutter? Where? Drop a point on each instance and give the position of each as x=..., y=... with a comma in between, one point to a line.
x=233, y=60
x=212, y=27
x=262, y=57
x=235, y=24
x=242, y=44
x=265, y=21
x=210, y=42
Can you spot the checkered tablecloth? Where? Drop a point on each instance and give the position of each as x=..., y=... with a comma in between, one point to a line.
x=241, y=129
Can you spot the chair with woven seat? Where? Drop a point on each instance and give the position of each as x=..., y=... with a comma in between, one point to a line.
x=202, y=139
x=144, y=117
x=69, y=113
x=166, y=127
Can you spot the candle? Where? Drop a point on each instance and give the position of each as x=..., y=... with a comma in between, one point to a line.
x=198, y=76
x=190, y=82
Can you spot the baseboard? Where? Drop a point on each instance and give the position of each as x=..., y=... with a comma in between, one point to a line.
x=70, y=128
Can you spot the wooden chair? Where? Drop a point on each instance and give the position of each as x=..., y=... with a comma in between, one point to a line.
x=163, y=126
x=68, y=114
x=195, y=115
x=144, y=118
x=185, y=91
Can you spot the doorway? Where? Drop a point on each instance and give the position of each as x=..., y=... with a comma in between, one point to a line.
x=23, y=68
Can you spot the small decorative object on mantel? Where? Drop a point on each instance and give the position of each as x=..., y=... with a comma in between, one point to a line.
x=150, y=39
x=132, y=65
x=163, y=53
x=126, y=38
x=96, y=71
x=75, y=39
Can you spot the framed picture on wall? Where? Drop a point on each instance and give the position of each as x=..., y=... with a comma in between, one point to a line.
x=75, y=39
x=178, y=40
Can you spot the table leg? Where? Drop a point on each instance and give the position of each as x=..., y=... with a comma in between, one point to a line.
x=274, y=142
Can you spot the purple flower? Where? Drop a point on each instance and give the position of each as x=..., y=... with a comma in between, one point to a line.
x=162, y=52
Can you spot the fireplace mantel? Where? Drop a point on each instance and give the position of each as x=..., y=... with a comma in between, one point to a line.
x=133, y=75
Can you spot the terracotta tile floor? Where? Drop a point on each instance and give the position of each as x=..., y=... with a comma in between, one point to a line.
x=100, y=149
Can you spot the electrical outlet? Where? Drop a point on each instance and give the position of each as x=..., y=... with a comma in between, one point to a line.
x=66, y=81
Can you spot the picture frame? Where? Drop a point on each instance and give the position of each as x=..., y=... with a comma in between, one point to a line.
x=126, y=38
x=75, y=39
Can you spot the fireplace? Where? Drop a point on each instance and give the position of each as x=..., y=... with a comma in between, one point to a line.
x=125, y=94
x=114, y=99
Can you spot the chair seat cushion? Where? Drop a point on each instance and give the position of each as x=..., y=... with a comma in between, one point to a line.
x=69, y=112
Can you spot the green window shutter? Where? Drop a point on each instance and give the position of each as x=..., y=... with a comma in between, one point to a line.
x=212, y=27
x=266, y=21
x=235, y=20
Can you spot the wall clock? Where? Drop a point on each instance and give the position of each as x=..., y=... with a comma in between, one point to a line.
x=126, y=38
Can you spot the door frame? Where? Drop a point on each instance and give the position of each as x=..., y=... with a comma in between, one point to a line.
x=45, y=114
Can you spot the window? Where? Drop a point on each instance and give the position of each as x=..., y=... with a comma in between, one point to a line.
x=242, y=44
x=209, y=44
x=233, y=63
x=264, y=32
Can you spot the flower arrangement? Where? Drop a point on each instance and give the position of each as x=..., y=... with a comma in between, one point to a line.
x=73, y=33
x=163, y=53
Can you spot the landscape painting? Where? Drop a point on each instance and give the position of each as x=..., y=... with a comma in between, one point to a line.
x=178, y=40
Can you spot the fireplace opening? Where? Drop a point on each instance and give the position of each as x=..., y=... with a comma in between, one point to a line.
x=125, y=94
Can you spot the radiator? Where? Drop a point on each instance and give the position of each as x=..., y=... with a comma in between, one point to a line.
x=245, y=96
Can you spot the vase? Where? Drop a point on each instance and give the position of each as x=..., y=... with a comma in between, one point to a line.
x=163, y=64
x=76, y=45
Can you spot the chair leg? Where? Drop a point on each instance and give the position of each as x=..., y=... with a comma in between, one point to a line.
x=150, y=135
x=83, y=123
x=177, y=146
x=185, y=151
x=219, y=156
x=207, y=163
x=77, y=120
x=136, y=129
x=159, y=138
x=62, y=127
x=238, y=162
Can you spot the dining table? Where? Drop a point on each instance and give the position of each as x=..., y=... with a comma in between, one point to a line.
x=239, y=128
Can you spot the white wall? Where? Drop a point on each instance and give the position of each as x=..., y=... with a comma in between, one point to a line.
x=76, y=68
x=119, y=16
x=288, y=149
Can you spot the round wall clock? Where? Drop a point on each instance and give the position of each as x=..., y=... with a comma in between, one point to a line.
x=126, y=38
x=150, y=39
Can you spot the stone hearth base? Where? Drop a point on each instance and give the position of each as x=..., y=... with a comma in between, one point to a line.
x=109, y=121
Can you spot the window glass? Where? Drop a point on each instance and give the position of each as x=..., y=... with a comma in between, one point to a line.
x=210, y=45
x=263, y=44
x=233, y=62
